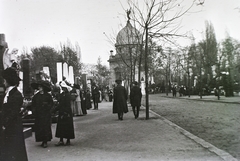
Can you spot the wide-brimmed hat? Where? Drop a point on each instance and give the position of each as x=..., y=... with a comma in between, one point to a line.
x=11, y=76
x=64, y=85
x=45, y=84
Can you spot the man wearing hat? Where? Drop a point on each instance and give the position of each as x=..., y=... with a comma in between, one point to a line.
x=119, y=99
x=95, y=95
x=135, y=98
x=13, y=138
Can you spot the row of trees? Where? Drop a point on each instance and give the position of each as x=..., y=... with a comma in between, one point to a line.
x=158, y=22
x=205, y=64
x=46, y=56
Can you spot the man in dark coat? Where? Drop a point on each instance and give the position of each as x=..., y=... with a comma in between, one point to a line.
x=174, y=91
x=95, y=96
x=135, y=98
x=120, y=100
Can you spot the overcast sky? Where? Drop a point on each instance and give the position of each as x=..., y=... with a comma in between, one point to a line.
x=33, y=23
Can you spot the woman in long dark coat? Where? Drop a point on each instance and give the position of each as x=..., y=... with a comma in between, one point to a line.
x=119, y=100
x=13, y=140
x=42, y=104
x=65, y=128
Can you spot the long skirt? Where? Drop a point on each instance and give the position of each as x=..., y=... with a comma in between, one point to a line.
x=78, y=109
x=73, y=107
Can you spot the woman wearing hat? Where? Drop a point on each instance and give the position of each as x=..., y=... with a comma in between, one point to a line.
x=13, y=139
x=65, y=128
x=42, y=104
x=78, y=108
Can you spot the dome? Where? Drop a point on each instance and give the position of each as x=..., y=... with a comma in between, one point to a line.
x=128, y=35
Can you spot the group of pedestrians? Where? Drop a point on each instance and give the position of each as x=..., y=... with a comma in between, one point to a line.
x=42, y=108
x=79, y=101
x=12, y=144
x=120, y=97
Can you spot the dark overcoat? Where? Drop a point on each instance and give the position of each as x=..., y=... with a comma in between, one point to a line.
x=135, y=96
x=95, y=94
x=65, y=128
x=13, y=139
x=42, y=105
x=120, y=99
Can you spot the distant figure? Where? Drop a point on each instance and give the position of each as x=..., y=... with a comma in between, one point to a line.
x=135, y=98
x=95, y=96
x=110, y=95
x=74, y=95
x=13, y=148
x=78, y=108
x=119, y=100
x=174, y=91
x=88, y=103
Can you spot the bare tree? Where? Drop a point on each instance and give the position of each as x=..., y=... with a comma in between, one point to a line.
x=159, y=19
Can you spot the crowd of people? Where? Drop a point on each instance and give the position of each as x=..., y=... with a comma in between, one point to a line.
x=66, y=100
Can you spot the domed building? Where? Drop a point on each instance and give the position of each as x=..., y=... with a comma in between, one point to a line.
x=124, y=64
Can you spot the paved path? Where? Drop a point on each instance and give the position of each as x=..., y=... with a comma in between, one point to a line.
x=100, y=137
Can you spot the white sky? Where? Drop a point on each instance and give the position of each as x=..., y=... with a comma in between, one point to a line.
x=33, y=23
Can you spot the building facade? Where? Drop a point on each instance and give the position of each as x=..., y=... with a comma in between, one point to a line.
x=125, y=64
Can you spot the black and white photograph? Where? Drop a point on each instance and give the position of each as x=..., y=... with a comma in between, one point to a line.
x=119, y=80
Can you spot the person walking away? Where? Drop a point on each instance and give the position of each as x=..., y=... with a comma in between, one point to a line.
x=88, y=103
x=174, y=91
x=119, y=100
x=110, y=95
x=78, y=108
x=95, y=96
x=65, y=128
x=135, y=98
x=42, y=105
x=14, y=148
x=84, y=101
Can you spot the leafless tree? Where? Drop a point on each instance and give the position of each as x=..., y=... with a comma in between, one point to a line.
x=159, y=19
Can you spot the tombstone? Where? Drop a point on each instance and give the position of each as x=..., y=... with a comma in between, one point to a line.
x=59, y=72
x=26, y=78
